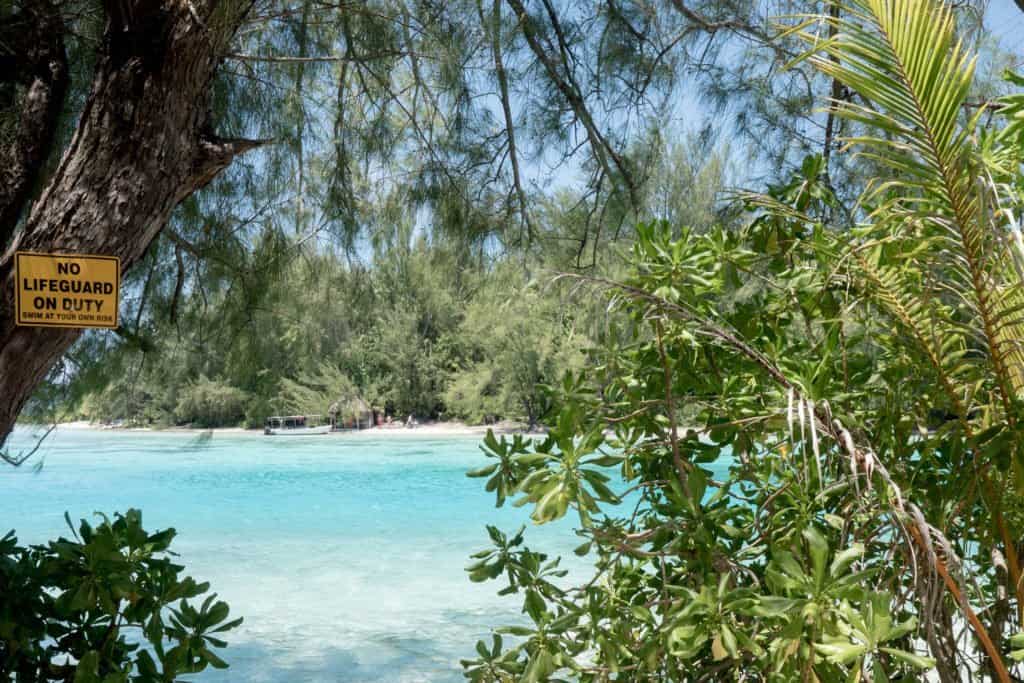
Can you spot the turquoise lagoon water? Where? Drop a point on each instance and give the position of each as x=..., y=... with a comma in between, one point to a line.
x=345, y=554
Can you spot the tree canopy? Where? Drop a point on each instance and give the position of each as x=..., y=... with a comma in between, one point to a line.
x=476, y=135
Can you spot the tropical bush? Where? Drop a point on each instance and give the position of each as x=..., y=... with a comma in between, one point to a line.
x=257, y=410
x=314, y=392
x=843, y=501
x=474, y=395
x=106, y=606
x=122, y=399
x=210, y=403
x=514, y=342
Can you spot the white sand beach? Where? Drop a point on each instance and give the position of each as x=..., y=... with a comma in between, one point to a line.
x=397, y=430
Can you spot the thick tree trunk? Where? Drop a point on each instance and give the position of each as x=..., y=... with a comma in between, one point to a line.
x=142, y=145
x=35, y=59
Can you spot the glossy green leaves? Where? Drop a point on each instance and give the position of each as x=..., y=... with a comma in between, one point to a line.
x=112, y=600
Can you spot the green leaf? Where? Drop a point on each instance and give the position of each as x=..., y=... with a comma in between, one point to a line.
x=912, y=659
x=605, y=461
x=210, y=657
x=482, y=471
x=774, y=606
x=841, y=652
x=729, y=641
x=534, y=605
x=218, y=613
x=696, y=485
x=842, y=561
x=818, y=547
x=87, y=670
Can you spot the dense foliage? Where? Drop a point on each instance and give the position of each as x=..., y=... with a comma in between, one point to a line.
x=430, y=161
x=794, y=448
x=105, y=606
x=421, y=152
x=424, y=331
x=417, y=323
x=801, y=458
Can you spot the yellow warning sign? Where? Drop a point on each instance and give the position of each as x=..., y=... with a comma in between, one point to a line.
x=67, y=290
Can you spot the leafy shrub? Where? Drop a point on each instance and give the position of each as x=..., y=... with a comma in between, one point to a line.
x=472, y=395
x=257, y=409
x=845, y=502
x=315, y=392
x=106, y=606
x=209, y=403
x=127, y=400
x=520, y=342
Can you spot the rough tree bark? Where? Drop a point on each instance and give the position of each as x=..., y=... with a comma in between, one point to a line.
x=142, y=145
x=33, y=57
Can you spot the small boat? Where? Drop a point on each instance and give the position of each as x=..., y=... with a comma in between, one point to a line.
x=295, y=425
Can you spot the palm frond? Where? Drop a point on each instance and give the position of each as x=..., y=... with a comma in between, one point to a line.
x=903, y=59
x=942, y=345
x=912, y=76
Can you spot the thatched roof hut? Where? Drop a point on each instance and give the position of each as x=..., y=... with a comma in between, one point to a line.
x=351, y=413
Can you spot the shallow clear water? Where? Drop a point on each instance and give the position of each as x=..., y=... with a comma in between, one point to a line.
x=345, y=554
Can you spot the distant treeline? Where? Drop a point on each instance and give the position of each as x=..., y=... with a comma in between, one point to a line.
x=233, y=316
x=422, y=330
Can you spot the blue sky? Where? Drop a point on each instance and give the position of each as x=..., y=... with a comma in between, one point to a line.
x=1006, y=22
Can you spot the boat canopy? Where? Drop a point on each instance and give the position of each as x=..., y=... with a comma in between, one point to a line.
x=293, y=421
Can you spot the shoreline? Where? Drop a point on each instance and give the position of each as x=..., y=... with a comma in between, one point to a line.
x=428, y=429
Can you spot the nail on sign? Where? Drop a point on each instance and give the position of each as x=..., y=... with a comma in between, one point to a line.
x=67, y=290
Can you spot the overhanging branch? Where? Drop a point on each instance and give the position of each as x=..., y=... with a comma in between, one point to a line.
x=214, y=155
x=356, y=58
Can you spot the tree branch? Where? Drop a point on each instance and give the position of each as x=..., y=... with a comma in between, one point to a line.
x=506, y=109
x=567, y=85
x=328, y=59
x=214, y=155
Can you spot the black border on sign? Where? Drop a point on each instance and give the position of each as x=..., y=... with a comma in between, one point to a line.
x=17, y=289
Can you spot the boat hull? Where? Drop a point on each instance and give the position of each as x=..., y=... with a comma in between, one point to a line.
x=298, y=431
